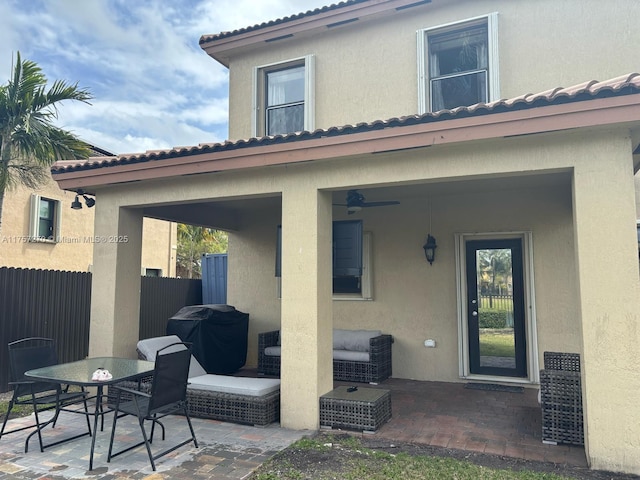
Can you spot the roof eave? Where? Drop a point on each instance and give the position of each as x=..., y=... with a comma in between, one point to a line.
x=223, y=46
x=560, y=117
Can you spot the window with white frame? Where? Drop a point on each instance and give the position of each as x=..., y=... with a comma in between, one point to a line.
x=44, y=221
x=352, y=252
x=283, y=97
x=152, y=272
x=458, y=64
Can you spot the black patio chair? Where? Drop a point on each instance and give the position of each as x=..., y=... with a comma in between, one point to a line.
x=168, y=396
x=28, y=354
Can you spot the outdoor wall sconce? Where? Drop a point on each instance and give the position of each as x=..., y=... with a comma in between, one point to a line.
x=76, y=205
x=430, y=249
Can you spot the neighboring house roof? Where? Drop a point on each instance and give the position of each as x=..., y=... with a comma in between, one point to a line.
x=519, y=109
x=100, y=151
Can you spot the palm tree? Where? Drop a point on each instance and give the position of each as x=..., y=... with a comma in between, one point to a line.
x=193, y=241
x=29, y=142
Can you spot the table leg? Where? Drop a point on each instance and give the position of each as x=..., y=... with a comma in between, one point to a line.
x=97, y=413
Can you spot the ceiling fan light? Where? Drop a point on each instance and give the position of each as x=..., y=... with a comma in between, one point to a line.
x=353, y=209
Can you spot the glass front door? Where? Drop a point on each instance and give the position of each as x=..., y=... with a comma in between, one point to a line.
x=495, y=308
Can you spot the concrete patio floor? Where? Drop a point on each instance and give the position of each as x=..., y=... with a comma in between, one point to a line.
x=494, y=422
x=429, y=413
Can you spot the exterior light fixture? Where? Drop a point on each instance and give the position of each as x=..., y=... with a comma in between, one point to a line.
x=76, y=205
x=430, y=249
x=430, y=245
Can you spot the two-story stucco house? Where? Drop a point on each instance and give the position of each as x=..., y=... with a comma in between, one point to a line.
x=41, y=229
x=508, y=131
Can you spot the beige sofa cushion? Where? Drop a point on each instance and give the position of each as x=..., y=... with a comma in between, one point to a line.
x=149, y=347
x=351, y=356
x=353, y=340
x=337, y=354
x=255, y=387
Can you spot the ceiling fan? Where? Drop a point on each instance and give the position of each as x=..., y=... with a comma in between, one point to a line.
x=356, y=202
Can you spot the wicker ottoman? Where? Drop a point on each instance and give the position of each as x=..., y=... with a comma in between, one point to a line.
x=363, y=409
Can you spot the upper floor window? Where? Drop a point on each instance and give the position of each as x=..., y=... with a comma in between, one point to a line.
x=458, y=64
x=284, y=103
x=283, y=97
x=44, y=222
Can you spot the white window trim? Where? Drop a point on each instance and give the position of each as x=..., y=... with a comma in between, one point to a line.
x=493, y=60
x=143, y=271
x=34, y=219
x=533, y=369
x=367, y=278
x=309, y=92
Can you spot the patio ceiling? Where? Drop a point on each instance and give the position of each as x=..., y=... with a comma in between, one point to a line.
x=228, y=214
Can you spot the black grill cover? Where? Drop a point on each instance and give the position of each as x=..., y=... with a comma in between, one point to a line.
x=218, y=334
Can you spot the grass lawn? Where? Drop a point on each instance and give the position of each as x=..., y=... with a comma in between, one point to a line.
x=495, y=342
x=16, y=411
x=347, y=459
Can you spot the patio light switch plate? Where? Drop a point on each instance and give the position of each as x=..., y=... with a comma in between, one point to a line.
x=430, y=343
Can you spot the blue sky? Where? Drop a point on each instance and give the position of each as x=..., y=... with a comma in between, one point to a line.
x=153, y=86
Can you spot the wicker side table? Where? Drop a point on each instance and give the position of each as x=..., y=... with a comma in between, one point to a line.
x=362, y=409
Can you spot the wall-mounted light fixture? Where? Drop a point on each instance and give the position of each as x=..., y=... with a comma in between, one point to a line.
x=77, y=205
x=430, y=249
x=430, y=245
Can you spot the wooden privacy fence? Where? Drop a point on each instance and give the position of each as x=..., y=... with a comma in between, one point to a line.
x=57, y=304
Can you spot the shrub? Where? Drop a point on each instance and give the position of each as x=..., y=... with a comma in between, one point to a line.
x=493, y=319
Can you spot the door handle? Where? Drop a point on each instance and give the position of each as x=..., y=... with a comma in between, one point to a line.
x=474, y=313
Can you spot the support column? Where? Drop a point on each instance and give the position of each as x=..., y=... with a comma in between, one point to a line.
x=609, y=296
x=115, y=288
x=306, y=314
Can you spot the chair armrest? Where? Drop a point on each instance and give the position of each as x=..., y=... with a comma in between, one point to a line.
x=267, y=339
x=131, y=391
x=22, y=382
x=380, y=348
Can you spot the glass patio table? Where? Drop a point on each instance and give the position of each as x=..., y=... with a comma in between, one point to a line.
x=80, y=373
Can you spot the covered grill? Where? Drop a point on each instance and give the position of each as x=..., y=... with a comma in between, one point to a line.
x=218, y=334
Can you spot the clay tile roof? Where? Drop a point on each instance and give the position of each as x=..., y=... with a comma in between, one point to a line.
x=628, y=84
x=309, y=13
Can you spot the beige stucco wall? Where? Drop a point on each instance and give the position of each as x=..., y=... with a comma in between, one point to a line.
x=75, y=251
x=368, y=71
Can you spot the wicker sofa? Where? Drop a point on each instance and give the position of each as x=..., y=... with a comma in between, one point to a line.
x=358, y=355
x=251, y=401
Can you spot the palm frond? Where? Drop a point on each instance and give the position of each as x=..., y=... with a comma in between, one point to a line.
x=29, y=140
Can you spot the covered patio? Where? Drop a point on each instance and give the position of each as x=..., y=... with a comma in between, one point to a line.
x=438, y=414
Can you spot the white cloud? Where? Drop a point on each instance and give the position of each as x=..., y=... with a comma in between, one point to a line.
x=153, y=85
